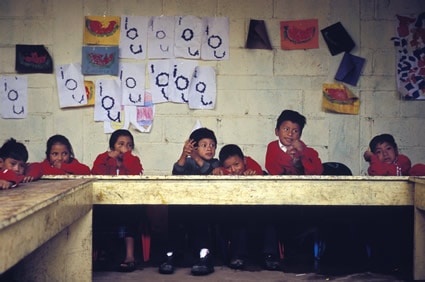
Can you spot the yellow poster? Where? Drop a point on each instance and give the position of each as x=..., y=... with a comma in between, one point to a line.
x=102, y=30
x=339, y=99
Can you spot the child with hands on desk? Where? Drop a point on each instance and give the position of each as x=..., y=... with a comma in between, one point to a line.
x=14, y=168
x=60, y=159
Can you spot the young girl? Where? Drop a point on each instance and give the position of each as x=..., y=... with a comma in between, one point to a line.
x=119, y=160
x=60, y=158
x=384, y=158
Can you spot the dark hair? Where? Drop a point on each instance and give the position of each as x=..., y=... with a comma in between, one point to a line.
x=59, y=139
x=379, y=139
x=202, y=133
x=292, y=116
x=15, y=150
x=229, y=151
x=116, y=134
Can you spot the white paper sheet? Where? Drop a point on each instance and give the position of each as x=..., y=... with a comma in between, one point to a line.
x=161, y=37
x=215, y=41
x=203, y=89
x=188, y=37
x=132, y=76
x=181, y=72
x=107, y=106
x=14, y=97
x=133, y=37
x=159, y=79
x=70, y=84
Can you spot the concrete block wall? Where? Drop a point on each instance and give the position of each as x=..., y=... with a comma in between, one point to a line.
x=253, y=86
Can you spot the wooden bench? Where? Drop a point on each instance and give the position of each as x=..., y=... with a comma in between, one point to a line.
x=250, y=190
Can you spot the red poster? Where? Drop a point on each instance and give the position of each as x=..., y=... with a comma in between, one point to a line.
x=299, y=34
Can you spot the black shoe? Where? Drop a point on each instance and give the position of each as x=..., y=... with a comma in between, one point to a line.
x=203, y=267
x=237, y=263
x=271, y=263
x=167, y=267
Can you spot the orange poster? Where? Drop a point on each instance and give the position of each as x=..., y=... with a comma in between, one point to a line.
x=299, y=34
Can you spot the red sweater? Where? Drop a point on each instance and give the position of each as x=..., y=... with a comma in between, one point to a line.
x=250, y=164
x=11, y=176
x=105, y=165
x=280, y=163
x=401, y=164
x=74, y=167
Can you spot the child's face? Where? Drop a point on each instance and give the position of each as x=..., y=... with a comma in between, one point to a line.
x=59, y=153
x=15, y=165
x=386, y=153
x=123, y=144
x=206, y=148
x=235, y=165
x=288, y=132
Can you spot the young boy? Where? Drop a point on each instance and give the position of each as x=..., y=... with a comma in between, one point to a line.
x=384, y=158
x=197, y=158
x=289, y=155
x=234, y=162
x=13, y=167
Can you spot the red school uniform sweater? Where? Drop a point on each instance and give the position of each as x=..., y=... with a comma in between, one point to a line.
x=105, y=165
x=250, y=163
x=279, y=162
x=74, y=167
x=11, y=176
x=400, y=166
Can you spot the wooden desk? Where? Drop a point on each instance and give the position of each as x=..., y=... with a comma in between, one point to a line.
x=52, y=216
x=45, y=228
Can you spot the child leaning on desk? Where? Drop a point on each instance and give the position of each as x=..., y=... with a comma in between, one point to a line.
x=384, y=158
x=119, y=160
x=14, y=168
x=239, y=221
x=60, y=159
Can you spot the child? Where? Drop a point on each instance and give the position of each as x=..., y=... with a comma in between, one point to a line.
x=384, y=158
x=234, y=162
x=60, y=158
x=13, y=166
x=119, y=160
x=197, y=158
x=289, y=155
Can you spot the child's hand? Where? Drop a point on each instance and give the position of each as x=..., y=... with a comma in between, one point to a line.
x=367, y=155
x=28, y=179
x=296, y=149
x=114, y=154
x=249, y=172
x=57, y=164
x=188, y=147
x=217, y=171
x=4, y=184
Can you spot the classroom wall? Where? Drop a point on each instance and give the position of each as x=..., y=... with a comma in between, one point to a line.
x=253, y=86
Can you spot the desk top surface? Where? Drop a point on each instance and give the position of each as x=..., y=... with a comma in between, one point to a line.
x=27, y=198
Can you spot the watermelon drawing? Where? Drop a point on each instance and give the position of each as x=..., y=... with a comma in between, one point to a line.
x=96, y=28
x=297, y=35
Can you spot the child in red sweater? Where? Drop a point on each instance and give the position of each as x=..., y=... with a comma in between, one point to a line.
x=384, y=158
x=289, y=155
x=238, y=220
x=60, y=158
x=119, y=160
x=13, y=166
